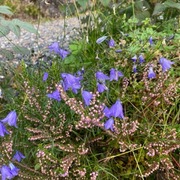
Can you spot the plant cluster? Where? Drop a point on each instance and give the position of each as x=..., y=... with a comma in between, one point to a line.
x=108, y=108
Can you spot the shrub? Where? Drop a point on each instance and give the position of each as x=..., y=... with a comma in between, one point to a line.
x=107, y=110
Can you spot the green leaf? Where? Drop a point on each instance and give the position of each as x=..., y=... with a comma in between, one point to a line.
x=105, y=2
x=172, y=4
x=37, y=166
x=5, y=10
x=13, y=27
x=70, y=60
x=142, y=15
x=4, y=30
x=20, y=50
x=75, y=47
x=159, y=8
x=83, y=3
x=27, y=26
x=6, y=53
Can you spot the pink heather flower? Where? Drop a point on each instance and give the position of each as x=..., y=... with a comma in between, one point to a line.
x=101, y=39
x=3, y=130
x=141, y=59
x=151, y=73
x=87, y=96
x=18, y=156
x=111, y=43
x=109, y=124
x=165, y=63
x=11, y=119
x=45, y=76
x=101, y=76
x=54, y=95
x=115, y=74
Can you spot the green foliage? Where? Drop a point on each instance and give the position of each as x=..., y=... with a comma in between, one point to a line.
x=15, y=26
x=67, y=138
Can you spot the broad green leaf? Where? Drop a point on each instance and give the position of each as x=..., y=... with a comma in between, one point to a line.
x=172, y=4
x=4, y=30
x=6, y=53
x=105, y=2
x=83, y=3
x=20, y=50
x=27, y=26
x=75, y=47
x=5, y=10
x=12, y=27
x=37, y=166
x=142, y=15
x=159, y=8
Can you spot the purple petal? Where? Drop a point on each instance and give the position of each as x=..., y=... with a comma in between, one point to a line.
x=111, y=43
x=101, y=87
x=101, y=39
x=11, y=119
x=101, y=76
x=141, y=59
x=151, y=73
x=54, y=95
x=165, y=63
x=87, y=96
x=18, y=156
x=45, y=76
x=3, y=130
x=109, y=124
x=115, y=74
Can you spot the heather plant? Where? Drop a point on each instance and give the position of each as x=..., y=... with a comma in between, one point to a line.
x=106, y=109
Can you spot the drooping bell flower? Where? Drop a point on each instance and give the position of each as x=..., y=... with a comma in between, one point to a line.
x=71, y=82
x=151, y=41
x=6, y=172
x=111, y=43
x=115, y=74
x=14, y=169
x=165, y=63
x=101, y=39
x=54, y=95
x=54, y=47
x=63, y=53
x=3, y=130
x=151, y=73
x=116, y=110
x=87, y=96
x=11, y=119
x=45, y=76
x=101, y=87
x=101, y=76
x=134, y=69
x=109, y=124
x=134, y=58
x=141, y=59
x=118, y=50
x=18, y=156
